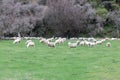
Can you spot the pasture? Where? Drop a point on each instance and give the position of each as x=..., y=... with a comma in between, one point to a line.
x=60, y=63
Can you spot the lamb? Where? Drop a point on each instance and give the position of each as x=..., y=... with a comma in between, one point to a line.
x=50, y=39
x=30, y=43
x=99, y=42
x=92, y=43
x=73, y=45
x=17, y=40
x=86, y=43
x=82, y=43
x=43, y=40
x=92, y=39
x=73, y=38
x=103, y=40
x=108, y=44
x=60, y=40
x=113, y=38
x=51, y=44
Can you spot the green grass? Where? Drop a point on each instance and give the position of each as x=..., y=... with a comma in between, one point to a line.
x=61, y=63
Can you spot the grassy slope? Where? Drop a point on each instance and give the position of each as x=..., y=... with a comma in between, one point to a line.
x=60, y=63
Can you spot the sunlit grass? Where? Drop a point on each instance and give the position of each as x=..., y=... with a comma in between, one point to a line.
x=60, y=63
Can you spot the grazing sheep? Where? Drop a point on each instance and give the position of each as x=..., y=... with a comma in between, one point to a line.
x=73, y=45
x=28, y=41
x=51, y=44
x=92, y=39
x=43, y=40
x=73, y=38
x=92, y=44
x=82, y=43
x=17, y=40
x=108, y=44
x=113, y=38
x=99, y=42
x=50, y=39
x=107, y=39
x=86, y=43
x=103, y=40
x=60, y=40
x=30, y=44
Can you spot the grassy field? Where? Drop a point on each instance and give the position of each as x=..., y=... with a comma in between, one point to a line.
x=60, y=63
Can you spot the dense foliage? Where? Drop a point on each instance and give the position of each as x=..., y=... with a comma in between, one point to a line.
x=66, y=18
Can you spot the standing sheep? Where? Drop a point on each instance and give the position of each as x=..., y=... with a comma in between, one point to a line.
x=73, y=45
x=51, y=44
x=17, y=40
x=30, y=43
x=108, y=44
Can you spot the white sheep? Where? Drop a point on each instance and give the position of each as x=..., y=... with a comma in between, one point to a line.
x=73, y=45
x=92, y=39
x=82, y=43
x=51, y=44
x=60, y=40
x=103, y=40
x=30, y=43
x=108, y=44
x=99, y=42
x=50, y=39
x=92, y=44
x=17, y=40
x=43, y=40
x=113, y=38
x=86, y=43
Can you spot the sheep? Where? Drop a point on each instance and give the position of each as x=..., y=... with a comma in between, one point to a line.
x=60, y=40
x=17, y=40
x=108, y=44
x=43, y=40
x=113, y=38
x=73, y=38
x=92, y=39
x=73, y=45
x=80, y=38
x=107, y=39
x=50, y=39
x=99, y=42
x=92, y=44
x=30, y=44
x=28, y=41
x=46, y=41
x=103, y=40
x=86, y=43
x=82, y=43
x=51, y=44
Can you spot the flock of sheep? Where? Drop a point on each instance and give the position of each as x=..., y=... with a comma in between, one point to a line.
x=73, y=42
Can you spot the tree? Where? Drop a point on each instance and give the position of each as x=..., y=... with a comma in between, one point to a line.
x=68, y=16
x=19, y=18
x=6, y=10
x=114, y=16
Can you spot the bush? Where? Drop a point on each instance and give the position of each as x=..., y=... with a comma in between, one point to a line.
x=101, y=11
x=115, y=6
